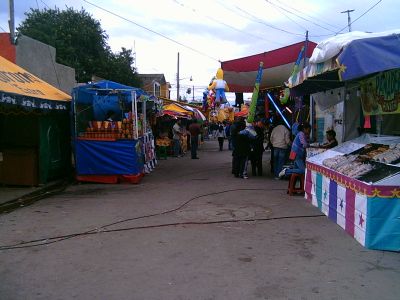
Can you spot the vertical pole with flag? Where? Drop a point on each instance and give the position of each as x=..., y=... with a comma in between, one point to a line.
x=254, y=97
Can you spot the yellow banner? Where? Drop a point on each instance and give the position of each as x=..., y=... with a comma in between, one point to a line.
x=15, y=80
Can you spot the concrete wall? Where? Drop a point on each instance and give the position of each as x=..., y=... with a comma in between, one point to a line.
x=39, y=59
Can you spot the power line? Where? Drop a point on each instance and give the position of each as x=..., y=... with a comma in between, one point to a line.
x=1, y=27
x=303, y=13
x=368, y=10
x=301, y=17
x=152, y=31
x=283, y=13
x=229, y=26
x=258, y=20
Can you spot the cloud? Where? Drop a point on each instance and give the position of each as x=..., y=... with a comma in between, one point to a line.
x=206, y=26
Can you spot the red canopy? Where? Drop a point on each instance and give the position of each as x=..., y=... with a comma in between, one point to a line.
x=241, y=73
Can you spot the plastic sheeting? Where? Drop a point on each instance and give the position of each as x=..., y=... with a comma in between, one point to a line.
x=331, y=47
x=108, y=157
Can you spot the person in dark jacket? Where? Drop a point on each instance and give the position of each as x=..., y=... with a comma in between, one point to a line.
x=256, y=152
x=242, y=150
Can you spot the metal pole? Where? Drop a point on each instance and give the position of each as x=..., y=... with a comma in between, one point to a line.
x=11, y=21
x=177, y=81
x=348, y=17
x=305, y=50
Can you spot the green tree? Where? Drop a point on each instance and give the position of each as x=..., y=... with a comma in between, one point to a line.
x=81, y=43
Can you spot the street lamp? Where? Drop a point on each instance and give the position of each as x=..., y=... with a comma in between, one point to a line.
x=178, y=85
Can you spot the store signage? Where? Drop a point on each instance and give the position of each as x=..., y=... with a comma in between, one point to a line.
x=381, y=94
x=16, y=81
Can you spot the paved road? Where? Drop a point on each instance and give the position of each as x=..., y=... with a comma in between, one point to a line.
x=189, y=245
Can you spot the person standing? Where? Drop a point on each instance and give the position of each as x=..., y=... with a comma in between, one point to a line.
x=228, y=135
x=176, y=136
x=280, y=140
x=298, y=151
x=221, y=136
x=194, y=130
x=257, y=152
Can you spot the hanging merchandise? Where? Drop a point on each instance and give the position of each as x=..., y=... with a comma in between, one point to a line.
x=254, y=97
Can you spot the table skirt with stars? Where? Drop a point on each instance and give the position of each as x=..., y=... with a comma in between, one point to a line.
x=369, y=213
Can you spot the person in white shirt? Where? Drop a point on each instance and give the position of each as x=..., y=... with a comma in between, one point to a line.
x=280, y=140
x=221, y=135
x=176, y=135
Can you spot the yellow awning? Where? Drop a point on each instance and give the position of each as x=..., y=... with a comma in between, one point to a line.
x=15, y=80
x=177, y=108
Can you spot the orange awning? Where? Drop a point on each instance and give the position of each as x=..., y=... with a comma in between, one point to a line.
x=16, y=80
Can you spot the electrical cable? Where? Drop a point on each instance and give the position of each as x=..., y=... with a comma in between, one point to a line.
x=305, y=14
x=369, y=9
x=260, y=21
x=301, y=17
x=51, y=240
x=229, y=26
x=152, y=31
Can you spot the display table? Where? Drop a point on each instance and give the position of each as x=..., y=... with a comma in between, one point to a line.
x=368, y=211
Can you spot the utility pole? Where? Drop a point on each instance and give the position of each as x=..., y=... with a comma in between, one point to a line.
x=11, y=21
x=348, y=17
x=177, y=81
x=305, y=50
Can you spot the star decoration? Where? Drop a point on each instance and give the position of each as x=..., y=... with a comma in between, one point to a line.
x=325, y=194
x=361, y=221
x=341, y=204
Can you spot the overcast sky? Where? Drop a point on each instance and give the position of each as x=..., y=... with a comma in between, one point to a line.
x=216, y=30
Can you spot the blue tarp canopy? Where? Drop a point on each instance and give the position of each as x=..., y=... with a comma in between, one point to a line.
x=367, y=56
x=84, y=94
x=107, y=96
x=360, y=58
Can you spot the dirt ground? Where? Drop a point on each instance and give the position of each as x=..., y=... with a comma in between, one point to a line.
x=190, y=230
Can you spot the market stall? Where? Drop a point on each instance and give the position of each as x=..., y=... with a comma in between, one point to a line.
x=354, y=82
x=113, y=140
x=34, y=128
x=357, y=186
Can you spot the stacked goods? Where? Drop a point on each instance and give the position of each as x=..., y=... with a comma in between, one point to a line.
x=105, y=130
x=389, y=156
x=350, y=165
x=163, y=142
x=127, y=129
x=355, y=169
x=371, y=150
x=338, y=161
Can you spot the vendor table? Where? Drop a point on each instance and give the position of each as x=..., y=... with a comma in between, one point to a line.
x=369, y=213
x=108, y=157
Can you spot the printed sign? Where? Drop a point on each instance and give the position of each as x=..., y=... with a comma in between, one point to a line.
x=381, y=94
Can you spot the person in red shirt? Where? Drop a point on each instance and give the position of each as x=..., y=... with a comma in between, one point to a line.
x=194, y=130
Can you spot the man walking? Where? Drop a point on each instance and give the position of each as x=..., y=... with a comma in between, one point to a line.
x=194, y=130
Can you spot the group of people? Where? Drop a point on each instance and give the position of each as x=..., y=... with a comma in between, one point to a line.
x=280, y=141
x=248, y=145
x=194, y=131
